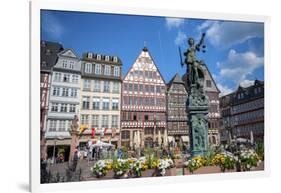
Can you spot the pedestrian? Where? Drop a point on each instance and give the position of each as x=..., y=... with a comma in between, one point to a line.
x=75, y=160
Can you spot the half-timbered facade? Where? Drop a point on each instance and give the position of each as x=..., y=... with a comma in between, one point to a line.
x=143, y=103
x=177, y=125
x=48, y=59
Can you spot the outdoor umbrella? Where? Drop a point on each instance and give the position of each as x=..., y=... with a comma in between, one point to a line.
x=165, y=138
x=159, y=138
x=252, y=137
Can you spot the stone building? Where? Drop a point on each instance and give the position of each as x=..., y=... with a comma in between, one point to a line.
x=143, y=103
x=243, y=112
x=100, y=98
x=177, y=125
x=48, y=58
x=214, y=117
x=63, y=102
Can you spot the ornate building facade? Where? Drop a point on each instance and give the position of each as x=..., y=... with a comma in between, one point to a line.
x=143, y=103
x=63, y=102
x=214, y=116
x=48, y=59
x=243, y=112
x=177, y=120
x=100, y=98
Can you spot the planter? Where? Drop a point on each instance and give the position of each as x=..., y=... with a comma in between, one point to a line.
x=178, y=163
x=204, y=170
x=171, y=172
x=148, y=173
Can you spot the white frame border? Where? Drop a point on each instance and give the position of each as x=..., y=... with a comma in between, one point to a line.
x=34, y=120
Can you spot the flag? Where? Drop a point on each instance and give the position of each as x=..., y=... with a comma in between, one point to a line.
x=93, y=132
x=82, y=129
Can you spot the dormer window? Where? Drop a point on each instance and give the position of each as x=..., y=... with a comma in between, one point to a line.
x=115, y=59
x=98, y=57
x=90, y=55
x=106, y=58
x=48, y=52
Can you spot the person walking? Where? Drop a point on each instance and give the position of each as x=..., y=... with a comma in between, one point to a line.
x=75, y=160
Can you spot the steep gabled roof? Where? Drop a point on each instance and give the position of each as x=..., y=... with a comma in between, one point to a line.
x=176, y=79
x=49, y=54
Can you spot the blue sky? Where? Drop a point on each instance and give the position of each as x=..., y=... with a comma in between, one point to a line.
x=235, y=50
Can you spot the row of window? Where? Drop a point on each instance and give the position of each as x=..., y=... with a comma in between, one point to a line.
x=246, y=130
x=249, y=116
x=147, y=131
x=99, y=121
x=145, y=101
x=68, y=64
x=63, y=107
x=59, y=125
x=96, y=85
x=100, y=103
x=133, y=116
x=101, y=69
x=65, y=92
x=65, y=77
x=248, y=106
x=144, y=74
x=143, y=88
x=99, y=57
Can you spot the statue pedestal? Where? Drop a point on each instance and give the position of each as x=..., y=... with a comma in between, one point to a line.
x=74, y=143
x=198, y=130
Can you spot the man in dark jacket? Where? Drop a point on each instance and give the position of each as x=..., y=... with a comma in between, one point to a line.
x=75, y=160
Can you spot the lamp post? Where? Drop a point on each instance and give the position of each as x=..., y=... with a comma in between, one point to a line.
x=57, y=137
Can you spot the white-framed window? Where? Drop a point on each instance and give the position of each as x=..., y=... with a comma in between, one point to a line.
x=56, y=91
x=105, y=103
x=106, y=86
x=98, y=57
x=71, y=64
x=64, y=63
x=116, y=71
x=115, y=104
x=87, y=84
x=85, y=119
x=97, y=86
x=57, y=76
x=96, y=103
x=62, y=125
x=73, y=92
x=107, y=70
x=66, y=78
x=114, y=121
x=115, y=59
x=72, y=108
x=104, y=121
x=95, y=121
x=54, y=107
x=52, y=125
x=63, y=107
x=75, y=78
x=90, y=55
x=115, y=87
x=65, y=92
x=106, y=58
x=86, y=102
x=88, y=68
x=98, y=69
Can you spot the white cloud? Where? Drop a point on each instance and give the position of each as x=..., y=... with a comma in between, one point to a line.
x=181, y=37
x=52, y=26
x=229, y=33
x=238, y=65
x=224, y=89
x=174, y=22
x=247, y=83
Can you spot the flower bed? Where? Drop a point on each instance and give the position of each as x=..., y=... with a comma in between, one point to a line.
x=225, y=160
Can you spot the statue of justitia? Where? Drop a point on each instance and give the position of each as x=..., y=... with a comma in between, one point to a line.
x=191, y=60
